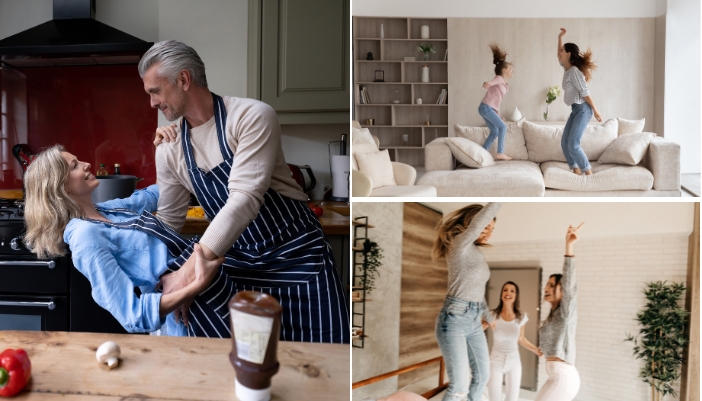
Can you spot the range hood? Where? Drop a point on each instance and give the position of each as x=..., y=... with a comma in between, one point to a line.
x=73, y=37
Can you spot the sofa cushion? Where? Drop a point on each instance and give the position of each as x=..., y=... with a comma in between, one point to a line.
x=406, y=190
x=378, y=166
x=515, y=147
x=630, y=126
x=361, y=148
x=469, y=153
x=605, y=177
x=544, y=142
x=627, y=149
x=505, y=178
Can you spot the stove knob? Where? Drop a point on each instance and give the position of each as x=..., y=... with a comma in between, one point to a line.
x=14, y=245
x=3, y=242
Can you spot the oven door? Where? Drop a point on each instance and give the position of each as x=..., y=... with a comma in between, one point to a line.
x=37, y=313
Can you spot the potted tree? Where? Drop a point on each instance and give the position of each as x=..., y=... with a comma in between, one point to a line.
x=661, y=339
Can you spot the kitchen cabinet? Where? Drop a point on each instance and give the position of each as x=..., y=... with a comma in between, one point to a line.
x=170, y=368
x=299, y=59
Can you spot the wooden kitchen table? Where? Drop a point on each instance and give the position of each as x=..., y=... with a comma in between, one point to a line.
x=169, y=368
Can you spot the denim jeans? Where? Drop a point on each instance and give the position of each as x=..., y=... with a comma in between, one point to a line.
x=496, y=125
x=573, y=133
x=464, y=347
x=563, y=382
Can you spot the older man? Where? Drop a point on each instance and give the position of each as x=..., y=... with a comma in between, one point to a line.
x=227, y=152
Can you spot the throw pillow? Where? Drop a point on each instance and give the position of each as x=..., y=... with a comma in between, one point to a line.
x=543, y=142
x=361, y=135
x=628, y=149
x=469, y=153
x=515, y=146
x=630, y=126
x=378, y=166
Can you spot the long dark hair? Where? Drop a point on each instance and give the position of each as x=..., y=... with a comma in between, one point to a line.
x=515, y=307
x=558, y=278
x=582, y=61
x=499, y=58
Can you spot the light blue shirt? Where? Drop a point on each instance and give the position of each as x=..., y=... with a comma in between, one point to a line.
x=115, y=260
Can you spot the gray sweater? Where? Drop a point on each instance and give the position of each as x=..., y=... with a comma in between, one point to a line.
x=467, y=270
x=557, y=335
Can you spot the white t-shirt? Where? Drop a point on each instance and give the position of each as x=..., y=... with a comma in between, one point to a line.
x=505, y=334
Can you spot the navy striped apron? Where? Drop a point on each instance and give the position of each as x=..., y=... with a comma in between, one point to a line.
x=282, y=252
x=209, y=312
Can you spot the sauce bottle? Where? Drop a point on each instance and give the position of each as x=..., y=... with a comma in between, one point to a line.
x=117, y=169
x=255, y=321
x=102, y=170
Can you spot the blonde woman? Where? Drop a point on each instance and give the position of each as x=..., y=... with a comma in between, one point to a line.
x=458, y=326
x=557, y=333
x=118, y=245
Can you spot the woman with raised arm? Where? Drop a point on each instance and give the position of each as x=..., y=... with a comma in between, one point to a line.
x=577, y=71
x=508, y=332
x=557, y=332
x=458, y=327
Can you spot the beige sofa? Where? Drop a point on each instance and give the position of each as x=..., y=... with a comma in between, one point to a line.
x=539, y=168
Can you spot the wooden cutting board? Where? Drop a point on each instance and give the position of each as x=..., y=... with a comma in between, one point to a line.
x=169, y=368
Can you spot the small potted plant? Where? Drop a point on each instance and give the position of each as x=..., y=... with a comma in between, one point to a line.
x=372, y=254
x=551, y=95
x=426, y=49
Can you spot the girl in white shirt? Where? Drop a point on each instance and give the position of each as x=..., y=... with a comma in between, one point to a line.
x=508, y=331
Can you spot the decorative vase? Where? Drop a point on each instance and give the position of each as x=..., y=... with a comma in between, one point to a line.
x=546, y=113
x=426, y=56
x=516, y=115
x=419, y=100
x=382, y=33
x=425, y=73
x=425, y=31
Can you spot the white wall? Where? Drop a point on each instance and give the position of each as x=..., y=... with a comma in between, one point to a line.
x=546, y=221
x=382, y=347
x=682, y=81
x=611, y=274
x=511, y=8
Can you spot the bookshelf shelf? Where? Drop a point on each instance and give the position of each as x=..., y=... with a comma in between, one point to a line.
x=392, y=104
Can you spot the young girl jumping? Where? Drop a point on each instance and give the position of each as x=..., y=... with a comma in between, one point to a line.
x=489, y=107
x=578, y=97
x=508, y=332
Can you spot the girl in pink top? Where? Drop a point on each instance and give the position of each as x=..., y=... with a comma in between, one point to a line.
x=490, y=106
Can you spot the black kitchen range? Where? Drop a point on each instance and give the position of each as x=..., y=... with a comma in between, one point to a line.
x=43, y=294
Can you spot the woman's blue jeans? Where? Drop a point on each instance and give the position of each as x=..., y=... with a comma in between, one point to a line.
x=573, y=133
x=496, y=125
x=463, y=344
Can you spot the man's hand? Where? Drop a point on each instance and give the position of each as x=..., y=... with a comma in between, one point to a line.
x=167, y=133
x=197, y=268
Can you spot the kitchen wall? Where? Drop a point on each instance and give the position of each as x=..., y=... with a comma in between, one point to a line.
x=218, y=31
x=381, y=351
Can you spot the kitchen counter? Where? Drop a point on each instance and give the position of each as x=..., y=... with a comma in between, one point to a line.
x=169, y=368
x=335, y=220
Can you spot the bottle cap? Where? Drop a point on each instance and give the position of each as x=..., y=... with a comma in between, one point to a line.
x=116, y=164
x=244, y=393
x=102, y=164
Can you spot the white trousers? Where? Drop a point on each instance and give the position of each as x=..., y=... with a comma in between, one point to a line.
x=509, y=367
x=563, y=382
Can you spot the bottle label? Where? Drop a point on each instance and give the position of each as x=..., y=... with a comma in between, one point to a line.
x=252, y=333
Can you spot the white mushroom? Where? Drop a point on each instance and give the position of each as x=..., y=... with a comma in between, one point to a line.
x=108, y=353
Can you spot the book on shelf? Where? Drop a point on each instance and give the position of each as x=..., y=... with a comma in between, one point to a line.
x=364, y=98
x=442, y=97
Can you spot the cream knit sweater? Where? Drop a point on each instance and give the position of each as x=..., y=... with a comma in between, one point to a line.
x=253, y=134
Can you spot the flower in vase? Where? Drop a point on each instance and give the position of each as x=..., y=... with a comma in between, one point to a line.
x=426, y=49
x=552, y=93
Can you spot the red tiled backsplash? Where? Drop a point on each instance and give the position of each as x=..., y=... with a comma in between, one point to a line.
x=101, y=114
